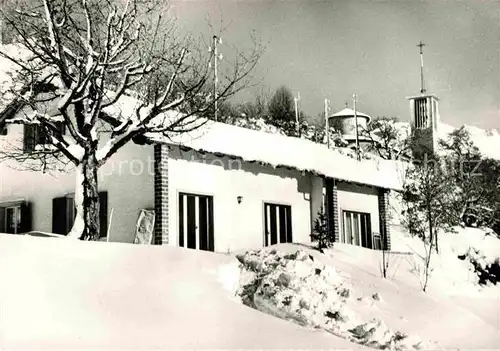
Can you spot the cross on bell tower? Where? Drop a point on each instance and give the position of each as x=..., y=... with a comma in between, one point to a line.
x=424, y=118
x=422, y=81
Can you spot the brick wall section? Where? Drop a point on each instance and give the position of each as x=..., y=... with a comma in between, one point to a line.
x=383, y=206
x=332, y=208
x=336, y=219
x=161, y=194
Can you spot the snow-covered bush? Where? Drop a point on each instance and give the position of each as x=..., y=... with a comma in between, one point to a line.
x=389, y=138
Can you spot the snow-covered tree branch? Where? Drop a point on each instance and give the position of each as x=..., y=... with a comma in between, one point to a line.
x=118, y=65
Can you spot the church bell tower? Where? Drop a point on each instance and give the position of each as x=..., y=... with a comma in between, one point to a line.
x=424, y=116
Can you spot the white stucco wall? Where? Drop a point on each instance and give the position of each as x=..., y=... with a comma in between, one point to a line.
x=238, y=226
x=127, y=193
x=352, y=197
x=128, y=178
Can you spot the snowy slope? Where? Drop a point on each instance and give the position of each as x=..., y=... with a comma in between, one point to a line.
x=451, y=275
x=60, y=294
x=488, y=142
x=434, y=316
x=388, y=307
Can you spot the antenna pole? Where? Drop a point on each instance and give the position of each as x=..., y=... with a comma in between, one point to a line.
x=296, y=100
x=215, y=76
x=422, y=81
x=327, y=127
x=356, y=125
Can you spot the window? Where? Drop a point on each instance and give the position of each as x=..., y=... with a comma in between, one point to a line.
x=357, y=229
x=35, y=134
x=421, y=113
x=196, y=222
x=277, y=224
x=15, y=218
x=64, y=212
x=3, y=130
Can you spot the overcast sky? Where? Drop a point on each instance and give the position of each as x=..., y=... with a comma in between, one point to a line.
x=332, y=49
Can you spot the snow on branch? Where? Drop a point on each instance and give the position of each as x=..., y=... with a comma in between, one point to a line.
x=99, y=55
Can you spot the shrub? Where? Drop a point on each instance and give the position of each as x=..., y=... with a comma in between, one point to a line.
x=321, y=234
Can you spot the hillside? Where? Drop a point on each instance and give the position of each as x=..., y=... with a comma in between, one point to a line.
x=487, y=141
x=343, y=291
x=61, y=294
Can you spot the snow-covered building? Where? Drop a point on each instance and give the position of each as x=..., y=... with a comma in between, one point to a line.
x=347, y=121
x=221, y=188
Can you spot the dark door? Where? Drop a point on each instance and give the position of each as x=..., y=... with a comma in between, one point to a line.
x=366, y=230
x=12, y=220
x=277, y=224
x=196, y=221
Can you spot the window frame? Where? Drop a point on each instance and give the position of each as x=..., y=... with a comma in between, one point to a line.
x=22, y=213
x=360, y=216
x=17, y=216
x=289, y=223
x=39, y=136
x=184, y=224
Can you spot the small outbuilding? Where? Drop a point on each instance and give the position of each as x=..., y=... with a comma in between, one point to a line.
x=345, y=122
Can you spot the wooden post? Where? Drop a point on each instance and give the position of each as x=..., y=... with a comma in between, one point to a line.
x=327, y=127
x=356, y=126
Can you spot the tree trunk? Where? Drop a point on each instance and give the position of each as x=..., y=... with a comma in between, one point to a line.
x=429, y=252
x=86, y=225
x=436, y=244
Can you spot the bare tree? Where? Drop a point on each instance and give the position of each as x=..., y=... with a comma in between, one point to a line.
x=258, y=108
x=430, y=197
x=113, y=64
x=464, y=167
x=389, y=141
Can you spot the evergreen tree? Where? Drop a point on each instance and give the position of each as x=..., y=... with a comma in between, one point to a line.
x=320, y=232
x=281, y=106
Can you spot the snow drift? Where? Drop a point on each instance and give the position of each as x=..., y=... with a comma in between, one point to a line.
x=343, y=292
x=295, y=286
x=65, y=294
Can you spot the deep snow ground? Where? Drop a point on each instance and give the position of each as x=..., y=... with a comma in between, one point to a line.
x=62, y=294
x=454, y=313
x=454, y=319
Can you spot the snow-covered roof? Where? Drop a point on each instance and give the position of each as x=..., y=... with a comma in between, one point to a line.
x=249, y=145
x=279, y=150
x=347, y=112
x=270, y=148
x=9, y=71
